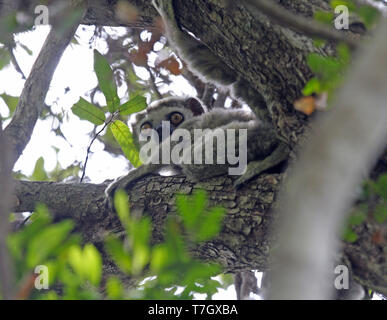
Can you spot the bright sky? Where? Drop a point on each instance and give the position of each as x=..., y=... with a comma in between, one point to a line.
x=75, y=70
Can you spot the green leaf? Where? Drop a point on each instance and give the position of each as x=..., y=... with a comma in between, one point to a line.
x=39, y=174
x=140, y=235
x=312, y=86
x=380, y=186
x=5, y=57
x=121, y=204
x=116, y=250
x=325, y=66
x=8, y=25
x=92, y=264
x=369, y=15
x=348, y=3
x=141, y=257
x=136, y=104
x=184, y=209
x=46, y=241
x=328, y=70
x=124, y=138
x=191, y=209
x=114, y=288
x=380, y=213
x=87, y=263
x=319, y=42
x=106, y=81
x=88, y=111
x=356, y=218
x=211, y=224
x=10, y=101
x=75, y=260
x=349, y=235
x=203, y=224
x=324, y=17
x=344, y=54
x=19, y=240
x=160, y=258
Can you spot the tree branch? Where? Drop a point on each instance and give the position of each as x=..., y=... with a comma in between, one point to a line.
x=31, y=101
x=347, y=143
x=244, y=242
x=6, y=190
x=299, y=23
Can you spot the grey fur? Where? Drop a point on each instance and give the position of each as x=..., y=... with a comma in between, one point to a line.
x=264, y=149
x=207, y=65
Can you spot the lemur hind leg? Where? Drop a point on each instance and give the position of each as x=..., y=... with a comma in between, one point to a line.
x=254, y=168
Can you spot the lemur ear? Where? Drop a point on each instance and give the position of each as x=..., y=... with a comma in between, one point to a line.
x=195, y=106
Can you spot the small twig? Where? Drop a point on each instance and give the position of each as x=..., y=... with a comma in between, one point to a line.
x=27, y=286
x=301, y=24
x=15, y=63
x=91, y=143
x=152, y=82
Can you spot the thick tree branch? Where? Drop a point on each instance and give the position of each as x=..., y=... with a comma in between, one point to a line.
x=346, y=144
x=273, y=59
x=6, y=190
x=244, y=242
x=306, y=26
x=31, y=101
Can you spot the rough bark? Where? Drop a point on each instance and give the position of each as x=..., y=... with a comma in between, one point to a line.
x=346, y=142
x=273, y=59
x=244, y=242
x=31, y=101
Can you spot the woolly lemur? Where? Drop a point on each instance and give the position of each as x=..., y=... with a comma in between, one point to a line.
x=207, y=65
x=262, y=149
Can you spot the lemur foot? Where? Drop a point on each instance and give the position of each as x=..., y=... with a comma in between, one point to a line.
x=111, y=190
x=125, y=181
x=255, y=168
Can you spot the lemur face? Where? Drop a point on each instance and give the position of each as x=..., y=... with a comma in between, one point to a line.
x=174, y=110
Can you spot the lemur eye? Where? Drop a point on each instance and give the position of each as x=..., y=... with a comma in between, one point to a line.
x=145, y=127
x=176, y=118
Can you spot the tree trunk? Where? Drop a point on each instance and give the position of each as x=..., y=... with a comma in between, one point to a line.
x=273, y=59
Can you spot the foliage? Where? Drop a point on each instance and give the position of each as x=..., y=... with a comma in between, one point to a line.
x=373, y=205
x=168, y=268
x=96, y=115
x=43, y=243
x=367, y=14
x=329, y=71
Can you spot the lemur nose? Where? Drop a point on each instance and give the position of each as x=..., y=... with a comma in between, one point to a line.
x=159, y=131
